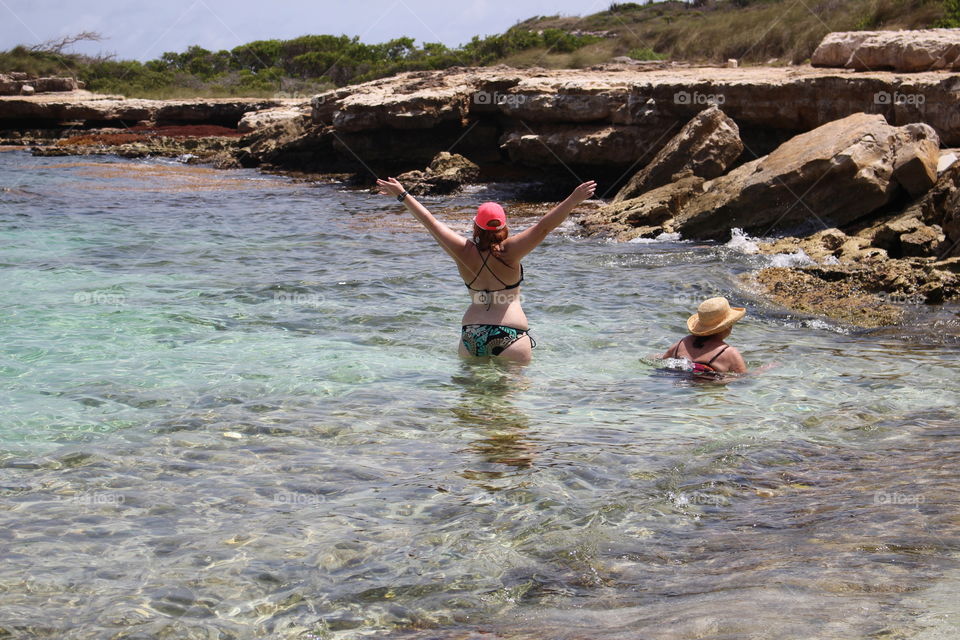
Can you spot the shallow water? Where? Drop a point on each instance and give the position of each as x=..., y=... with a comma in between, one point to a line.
x=233, y=409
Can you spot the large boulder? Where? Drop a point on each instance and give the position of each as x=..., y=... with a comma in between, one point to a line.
x=446, y=173
x=915, y=50
x=254, y=120
x=44, y=85
x=707, y=146
x=647, y=215
x=940, y=208
x=831, y=176
x=915, y=166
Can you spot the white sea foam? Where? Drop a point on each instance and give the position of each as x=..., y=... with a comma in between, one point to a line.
x=663, y=237
x=739, y=241
x=798, y=259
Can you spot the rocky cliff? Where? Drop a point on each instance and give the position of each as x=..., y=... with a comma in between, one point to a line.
x=85, y=109
x=611, y=118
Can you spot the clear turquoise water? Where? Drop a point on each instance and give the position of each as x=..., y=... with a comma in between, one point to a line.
x=233, y=408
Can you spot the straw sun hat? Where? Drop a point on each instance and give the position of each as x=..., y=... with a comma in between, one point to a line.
x=713, y=316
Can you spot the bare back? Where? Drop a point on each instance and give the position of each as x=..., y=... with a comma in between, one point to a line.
x=494, y=296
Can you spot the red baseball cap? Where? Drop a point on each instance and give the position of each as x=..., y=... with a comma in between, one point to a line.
x=490, y=216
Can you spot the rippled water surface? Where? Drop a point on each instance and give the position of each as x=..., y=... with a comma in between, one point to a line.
x=232, y=408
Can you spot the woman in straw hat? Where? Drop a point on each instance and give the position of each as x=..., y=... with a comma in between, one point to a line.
x=704, y=349
x=494, y=323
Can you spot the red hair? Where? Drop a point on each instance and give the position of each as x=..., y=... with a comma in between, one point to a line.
x=485, y=239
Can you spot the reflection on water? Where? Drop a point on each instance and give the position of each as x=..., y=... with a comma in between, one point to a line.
x=504, y=432
x=228, y=416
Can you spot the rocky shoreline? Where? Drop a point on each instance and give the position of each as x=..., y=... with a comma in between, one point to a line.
x=840, y=166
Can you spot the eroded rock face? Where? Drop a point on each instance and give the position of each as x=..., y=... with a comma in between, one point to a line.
x=911, y=51
x=830, y=176
x=88, y=107
x=706, y=146
x=289, y=143
x=555, y=145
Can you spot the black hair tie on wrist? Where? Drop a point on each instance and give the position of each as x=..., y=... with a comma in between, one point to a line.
x=402, y=196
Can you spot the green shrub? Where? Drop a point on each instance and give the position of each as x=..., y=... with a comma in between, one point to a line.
x=645, y=53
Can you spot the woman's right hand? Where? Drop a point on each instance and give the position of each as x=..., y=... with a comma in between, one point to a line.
x=583, y=192
x=390, y=187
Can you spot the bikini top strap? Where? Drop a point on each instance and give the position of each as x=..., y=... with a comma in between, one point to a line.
x=477, y=274
x=719, y=353
x=485, y=265
x=676, y=349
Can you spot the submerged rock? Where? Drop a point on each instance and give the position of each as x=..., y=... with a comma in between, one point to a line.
x=706, y=146
x=841, y=300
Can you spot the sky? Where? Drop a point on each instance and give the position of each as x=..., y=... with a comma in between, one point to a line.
x=143, y=30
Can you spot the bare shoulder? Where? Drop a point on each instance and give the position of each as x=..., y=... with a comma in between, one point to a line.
x=671, y=349
x=734, y=361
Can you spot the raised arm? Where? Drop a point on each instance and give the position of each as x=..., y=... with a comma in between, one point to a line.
x=516, y=247
x=451, y=241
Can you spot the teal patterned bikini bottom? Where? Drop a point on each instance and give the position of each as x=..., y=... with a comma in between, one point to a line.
x=490, y=339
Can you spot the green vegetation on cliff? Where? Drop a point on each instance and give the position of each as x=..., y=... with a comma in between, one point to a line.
x=753, y=31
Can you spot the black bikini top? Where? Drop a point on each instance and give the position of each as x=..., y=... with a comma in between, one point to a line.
x=487, y=267
x=707, y=364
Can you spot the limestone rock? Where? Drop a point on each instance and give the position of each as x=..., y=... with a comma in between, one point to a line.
x=907, y=50
x=941, y=207
x=908, y=236
x=253, y=120
x=830, y=176
x=924, y=241
x=287, y=144
x=707, y=145
x=646, y=215
x=553, y=145
x=54, y=108
x=915, y=166
x=446, y=173
x=18, y=83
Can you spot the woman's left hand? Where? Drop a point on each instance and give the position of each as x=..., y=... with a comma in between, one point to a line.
x=390, y=187
x=584, y=192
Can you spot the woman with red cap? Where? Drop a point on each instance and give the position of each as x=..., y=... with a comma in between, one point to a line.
x=494, y=323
